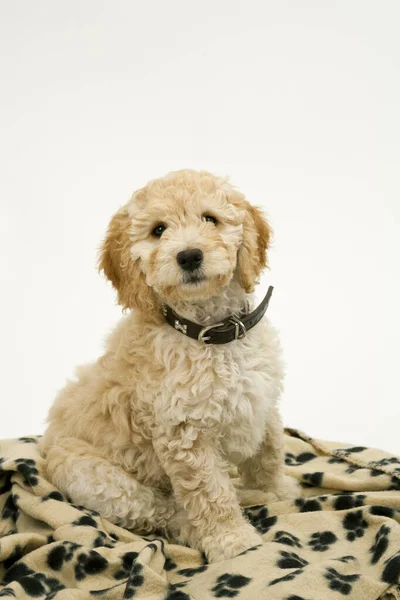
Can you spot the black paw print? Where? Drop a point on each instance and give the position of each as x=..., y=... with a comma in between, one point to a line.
x=300, y=459
x=346, y=501
x=308, y=505
x=321, y=540
x=284, y=537
x=84, y=509
x=335, y=460
x=10, y=508
x=352, y=469
x=384, y=462
x=381, y=544
x=288, y=577
x=84, y=521
x=192, y=572
x=88, y=564
x=313, y=479
x=352, y=450
x=34, y=584
x=339, y=582
x=135, y=580
x=53, y=496
x=391, y=572
x=125, y=568
x=291, y=560
x=103, y=540
x=395, y=481
x=176, y=594
x=15, y=555
x=382, y=511
x=355, y=524
x=229, y=585
x=28, y=470
x=61, y=553
x=258, y=517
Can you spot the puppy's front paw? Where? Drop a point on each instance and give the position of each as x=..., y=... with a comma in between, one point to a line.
x=231, y=542
x=288, y=488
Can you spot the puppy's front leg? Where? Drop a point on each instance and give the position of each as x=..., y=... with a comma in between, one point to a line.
x=202, y=487
x=265, y=470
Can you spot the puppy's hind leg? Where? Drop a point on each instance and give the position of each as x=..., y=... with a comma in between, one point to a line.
x=77, y=470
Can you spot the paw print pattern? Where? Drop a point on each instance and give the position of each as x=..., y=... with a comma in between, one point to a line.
x=53, y=496
x=308, y=505
x=335, y=460
x=382, y=511
x=322, y=540
x=291, y=560
x=176, y=594
x=384, y=462
x=15, y=555
x=355, y=524
x=395, y=483
x=352, y=469
x=127, y=561
x=10, y=508
x=28, y=470
x=352, y=450
x=103, y=540
x=391, y=572
x=381, y=544
x=295, y=461
x=348, y=500
x=85, y=521
x=60, y=554
x=288, y=577
x=284, y=537
x=34, y=584
x=135, y=580
x=90, y=563
x=339, y=582
x=192, y=572
x=313, y=479
x=229, y=585
x=258, y=517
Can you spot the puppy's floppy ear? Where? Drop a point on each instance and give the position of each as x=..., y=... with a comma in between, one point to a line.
x=116, y=262
x=252, y=257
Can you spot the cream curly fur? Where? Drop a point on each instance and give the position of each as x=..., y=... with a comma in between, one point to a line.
x=146, y=434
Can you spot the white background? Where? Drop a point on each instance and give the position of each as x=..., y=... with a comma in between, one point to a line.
x=298, y=101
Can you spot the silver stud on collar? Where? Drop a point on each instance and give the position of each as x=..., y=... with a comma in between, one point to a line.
x=179, y=327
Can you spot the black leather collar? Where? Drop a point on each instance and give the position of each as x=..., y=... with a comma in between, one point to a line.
x=232, y=328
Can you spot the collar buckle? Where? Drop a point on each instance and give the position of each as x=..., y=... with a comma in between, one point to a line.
x=240, y=329
x=202, y=338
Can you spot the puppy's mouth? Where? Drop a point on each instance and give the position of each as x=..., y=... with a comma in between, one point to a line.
x=193, y=278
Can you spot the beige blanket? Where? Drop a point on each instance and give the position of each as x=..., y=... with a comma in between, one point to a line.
x=342, y=539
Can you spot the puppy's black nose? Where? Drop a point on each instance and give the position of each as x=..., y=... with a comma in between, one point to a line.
x=190, y=260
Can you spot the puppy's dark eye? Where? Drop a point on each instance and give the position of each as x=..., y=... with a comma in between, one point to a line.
x=159, y=230
x=210, y=218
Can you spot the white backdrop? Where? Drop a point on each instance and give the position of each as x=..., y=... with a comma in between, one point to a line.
x=297, y=100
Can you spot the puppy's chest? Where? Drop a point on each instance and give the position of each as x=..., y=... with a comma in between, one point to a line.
x=227, y=389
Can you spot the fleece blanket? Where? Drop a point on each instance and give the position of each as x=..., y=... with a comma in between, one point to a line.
x=340, y=539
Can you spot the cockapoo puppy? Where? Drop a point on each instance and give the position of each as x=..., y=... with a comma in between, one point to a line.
x=146, y=434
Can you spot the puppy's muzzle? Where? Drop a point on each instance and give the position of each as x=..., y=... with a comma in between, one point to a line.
x=190, y=260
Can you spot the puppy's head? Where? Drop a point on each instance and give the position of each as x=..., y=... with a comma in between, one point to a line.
x=183, y=238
